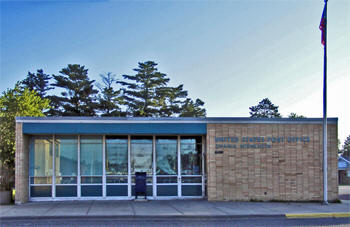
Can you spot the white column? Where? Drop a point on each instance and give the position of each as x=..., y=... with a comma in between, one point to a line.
x=179, y=193
x=129, y=166
x=78, y=176
x=154, y=168
x=104, y=166
x=53, y=167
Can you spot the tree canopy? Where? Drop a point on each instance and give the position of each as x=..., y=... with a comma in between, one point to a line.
x=170, y=100
x=140, y=90
x=294, y=115
x=265, y=109
x=346, y=148
x=147, y=94
x=16, y=102
x=38, y=82
x=79, y=95
x=192, y=109
x=109, y=99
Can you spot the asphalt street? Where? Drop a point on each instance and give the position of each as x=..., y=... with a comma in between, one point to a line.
x=266, y=221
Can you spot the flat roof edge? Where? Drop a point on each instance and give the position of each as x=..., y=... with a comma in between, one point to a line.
x=140, y=120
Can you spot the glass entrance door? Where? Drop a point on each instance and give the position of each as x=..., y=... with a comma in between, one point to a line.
x=191, y=162
x=167, y=166
x=179, y=166
x=116, y=166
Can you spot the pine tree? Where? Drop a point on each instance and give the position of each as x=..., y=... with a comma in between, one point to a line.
x=294, y=115
x=192, y=109
x=171, y=100
x=109, y=99
x=78, y=99
x=38, y=82
x=265, y=109
x=140, y=94
x=147, y=94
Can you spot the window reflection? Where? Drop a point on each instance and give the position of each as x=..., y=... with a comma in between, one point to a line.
x=116, y=156
x=141, y=155
x=191, y=153
x=91, y=156
x=40, y=164
x=66, y=156
x=166, y=152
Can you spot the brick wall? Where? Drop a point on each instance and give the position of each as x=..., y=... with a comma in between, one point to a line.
x=283, y=170
x=21, y=162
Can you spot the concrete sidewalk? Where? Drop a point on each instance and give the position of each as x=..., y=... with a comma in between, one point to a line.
x=171, y=208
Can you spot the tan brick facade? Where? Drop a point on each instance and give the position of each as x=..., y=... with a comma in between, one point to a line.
x=267, y=168
x=22, y=165
x=257, y=161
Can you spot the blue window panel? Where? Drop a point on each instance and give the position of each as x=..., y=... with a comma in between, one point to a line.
x=40, y=191
x=191, y=190
x=66, y=191
x=91, y=190
x=167, y=190
x=117, y=190
x=124, y=128
x=149, y=190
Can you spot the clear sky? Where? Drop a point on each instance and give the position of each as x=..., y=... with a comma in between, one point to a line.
x=231, y=53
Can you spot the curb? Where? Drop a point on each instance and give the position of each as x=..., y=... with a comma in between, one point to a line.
x=145, y=217
x=319, y=215
x=182, y=217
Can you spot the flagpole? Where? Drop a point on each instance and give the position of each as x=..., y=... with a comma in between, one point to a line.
x=325, y=179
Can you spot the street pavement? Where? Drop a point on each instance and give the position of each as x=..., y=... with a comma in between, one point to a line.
x=170, y=208
x=170, y=222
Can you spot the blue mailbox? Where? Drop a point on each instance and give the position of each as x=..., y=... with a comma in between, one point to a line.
x=140, y=184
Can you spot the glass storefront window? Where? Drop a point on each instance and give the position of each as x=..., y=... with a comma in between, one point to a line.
x=117, y=179
x=116, y=156
x=41, y=180
x=91, y=180
x=141, y=155
x=40, y=164
x=66, y=159
x=191, y=179
x=91, y=156
x=191, y=153
x=91, y=183
x=166, y=179
x=166, y=155
x=66, y=180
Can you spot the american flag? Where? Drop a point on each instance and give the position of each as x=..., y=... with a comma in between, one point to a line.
x=323, y=26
